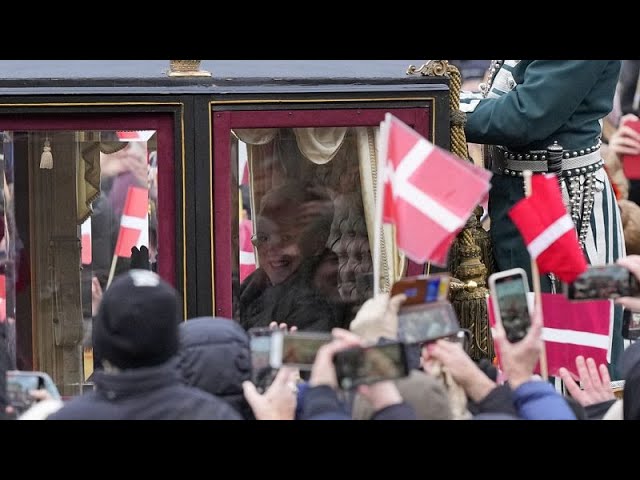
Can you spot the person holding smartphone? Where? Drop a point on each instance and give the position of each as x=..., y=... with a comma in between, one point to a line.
x=524, y=108
x=626, y=141
x=320, y=399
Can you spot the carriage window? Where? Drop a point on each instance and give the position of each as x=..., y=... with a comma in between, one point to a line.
x=93, y=197
x=301, y=236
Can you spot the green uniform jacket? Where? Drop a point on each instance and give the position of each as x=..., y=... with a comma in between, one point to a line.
x=554, y=100
x=549, y=100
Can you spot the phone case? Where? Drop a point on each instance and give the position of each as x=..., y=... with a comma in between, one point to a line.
x=423, y=289
x=631, y=163
x=515, y=313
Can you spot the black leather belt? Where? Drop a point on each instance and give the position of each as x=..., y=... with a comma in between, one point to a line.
x=577, y=162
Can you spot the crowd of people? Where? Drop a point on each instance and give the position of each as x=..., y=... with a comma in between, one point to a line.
x=155, y=365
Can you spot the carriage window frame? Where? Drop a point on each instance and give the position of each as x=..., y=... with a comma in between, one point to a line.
x=419, y=117
x=163, y=124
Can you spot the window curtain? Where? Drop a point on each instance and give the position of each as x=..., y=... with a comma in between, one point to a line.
x=393, y=262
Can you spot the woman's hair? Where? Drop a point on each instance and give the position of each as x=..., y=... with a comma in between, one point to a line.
x=285, y=205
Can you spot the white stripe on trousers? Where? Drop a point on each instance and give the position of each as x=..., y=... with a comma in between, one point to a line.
x=596, y=248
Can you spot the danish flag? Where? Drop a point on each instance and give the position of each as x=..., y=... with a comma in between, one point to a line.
x=548, y=231
x=572, y=329
x=3, y=298
x=135, y=135
x=85, y=236
x=428, y=193
x=247, y=256
x=134, y=223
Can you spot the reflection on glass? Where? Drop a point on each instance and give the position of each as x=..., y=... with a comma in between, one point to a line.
x=124, y=216
x=92, y=196
x=11, y=247
x=302, y=237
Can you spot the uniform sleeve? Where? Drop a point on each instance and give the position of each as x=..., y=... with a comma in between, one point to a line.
x=550, y=93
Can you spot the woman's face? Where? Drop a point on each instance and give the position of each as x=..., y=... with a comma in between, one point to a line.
x=279, y=251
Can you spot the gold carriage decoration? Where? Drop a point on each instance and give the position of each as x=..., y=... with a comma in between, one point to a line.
x=470, y=258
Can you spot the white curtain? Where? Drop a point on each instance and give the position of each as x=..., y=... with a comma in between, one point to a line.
x=392, y=261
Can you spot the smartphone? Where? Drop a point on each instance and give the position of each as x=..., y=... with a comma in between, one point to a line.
x=508, y=292
x=602, y=282
x=630, y=325
x=423, y=288
x=296, y=349
x=262, y=374
x=631, y=163
x=21, y=382
x=427, y=322
x=367, y=365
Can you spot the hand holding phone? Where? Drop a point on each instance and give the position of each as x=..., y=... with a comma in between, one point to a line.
x=296, y=349
x=378, y=317
x=508, y=292
x=519, y=359
x=629, y=131
x=262, y=375
x=323, y=371
x=369, y=365
x=427, y=322
x=24, y=388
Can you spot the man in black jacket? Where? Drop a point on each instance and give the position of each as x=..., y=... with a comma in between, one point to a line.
x=136, y=336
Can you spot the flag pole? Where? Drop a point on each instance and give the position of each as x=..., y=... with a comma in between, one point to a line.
x=537, y=289
x=380, y=173
x=112, y=271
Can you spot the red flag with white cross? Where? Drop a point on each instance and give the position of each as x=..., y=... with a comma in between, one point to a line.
x=429, y=193
x=134, y=223
x=548, y=231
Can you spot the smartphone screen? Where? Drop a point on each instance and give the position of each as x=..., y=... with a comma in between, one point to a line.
x=603, y=282
x=261, y=372
x=509, y=296
x=364, y=366
x=296, y=349
x=427, y=322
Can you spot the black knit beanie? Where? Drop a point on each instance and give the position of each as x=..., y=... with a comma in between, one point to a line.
x=137, y=323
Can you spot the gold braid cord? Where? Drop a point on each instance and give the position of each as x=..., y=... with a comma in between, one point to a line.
x=469, y=294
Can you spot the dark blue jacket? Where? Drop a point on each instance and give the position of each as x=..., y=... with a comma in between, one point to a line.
x=155, y=393
x=538, y=400
x=215, y=356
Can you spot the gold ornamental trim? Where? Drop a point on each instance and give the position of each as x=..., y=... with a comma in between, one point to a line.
x=186, y=68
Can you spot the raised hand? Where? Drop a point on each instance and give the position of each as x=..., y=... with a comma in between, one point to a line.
x=595, y=381
x=378, y=317
x=280, y=399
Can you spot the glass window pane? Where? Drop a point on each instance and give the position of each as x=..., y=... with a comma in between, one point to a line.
x=303, y=255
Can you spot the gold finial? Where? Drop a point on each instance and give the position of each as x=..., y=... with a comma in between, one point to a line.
x=186, y=68
x=437, y=68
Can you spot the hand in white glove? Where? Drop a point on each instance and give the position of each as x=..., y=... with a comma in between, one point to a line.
x=378, y=317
